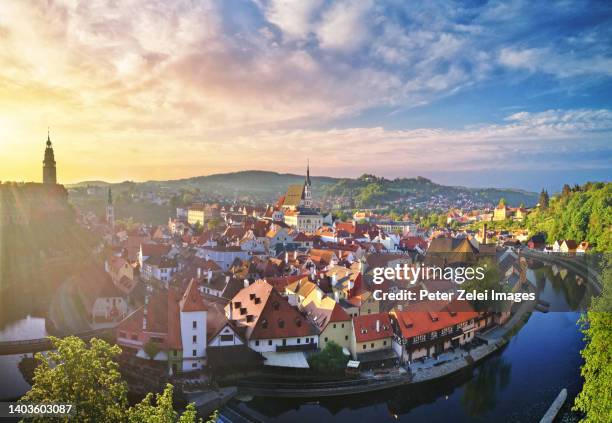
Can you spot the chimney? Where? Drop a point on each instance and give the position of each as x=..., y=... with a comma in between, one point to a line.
x=295, y=255
x=246, y=283
x=286, y=257
x=336, y=295
x=227, y=279
x=209, y=276
x=199, y=272
x=377, y=325
x=484, y=234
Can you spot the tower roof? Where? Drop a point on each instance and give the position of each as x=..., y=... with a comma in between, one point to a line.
x=308, y=172
x=192, y=299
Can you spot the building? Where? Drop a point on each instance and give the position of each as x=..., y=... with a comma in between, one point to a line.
x=421, y=334
x=297, y=207
x=269, y=322
x=371, y=340
x=196, y=215
x=176, y=326
x=49, y=171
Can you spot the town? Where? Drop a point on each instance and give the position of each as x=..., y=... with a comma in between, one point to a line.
x=227, y=290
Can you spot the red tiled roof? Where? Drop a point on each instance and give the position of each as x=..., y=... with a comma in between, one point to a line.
x=413, y=323
x=192, y=298
x=365, y=327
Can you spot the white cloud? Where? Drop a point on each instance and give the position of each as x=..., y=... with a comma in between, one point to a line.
x=344, y=26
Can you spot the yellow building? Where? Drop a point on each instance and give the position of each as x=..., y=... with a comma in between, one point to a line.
x=370, y=333
x=333, y=322
x=501, y=212
x=195, y=215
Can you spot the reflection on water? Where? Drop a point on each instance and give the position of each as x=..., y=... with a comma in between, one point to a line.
x=516, y=384
x=12, y=384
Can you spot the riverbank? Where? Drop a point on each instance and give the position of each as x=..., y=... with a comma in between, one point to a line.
x=431, y=369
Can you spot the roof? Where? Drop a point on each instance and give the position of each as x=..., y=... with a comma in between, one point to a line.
x=192, y=299
x=266, y=314
x=294, y=196
x=432, y=318
x=365, y=327
x=295, y=359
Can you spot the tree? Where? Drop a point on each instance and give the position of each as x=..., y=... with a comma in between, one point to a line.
x=491, y=281
x=331, y=360
x=151, y=349
x=88, y=378
x=543, y=200
x=162, y=411
x=595, y=399
x=566, y=191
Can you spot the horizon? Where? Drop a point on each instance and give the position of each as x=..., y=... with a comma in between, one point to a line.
x=510, y=95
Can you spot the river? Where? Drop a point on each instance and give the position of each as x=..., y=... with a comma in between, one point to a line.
x=516, y=384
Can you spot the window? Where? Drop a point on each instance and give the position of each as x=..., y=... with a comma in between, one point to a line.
x=346, y=337
x=342, y=325
x=269, y=342
x=194, y=339
x=195, y=324
x=372, y=345
x=364, y=346
x=384, y=342
x=194, y=353
x=299, y=341
x=334, y=326
x=326, y=339
x=284, y=342
x=256, y=343
x=174, y=353
x=419, y=338
x=194, y=365
x=227, y=338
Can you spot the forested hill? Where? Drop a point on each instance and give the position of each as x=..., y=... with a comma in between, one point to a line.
x=581, y=213
x=370, y=190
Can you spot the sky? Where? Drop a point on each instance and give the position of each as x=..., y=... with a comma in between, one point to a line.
x=508, y=94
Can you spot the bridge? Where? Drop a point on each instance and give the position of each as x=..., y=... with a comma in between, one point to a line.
x=575, y=263
x=44, y=344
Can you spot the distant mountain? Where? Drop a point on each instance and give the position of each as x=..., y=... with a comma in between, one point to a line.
x=367, y=190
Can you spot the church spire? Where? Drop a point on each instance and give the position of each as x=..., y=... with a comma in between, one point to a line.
x=308, y=171
x=49, y=171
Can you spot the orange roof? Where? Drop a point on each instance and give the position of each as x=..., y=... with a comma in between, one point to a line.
x=413, y=323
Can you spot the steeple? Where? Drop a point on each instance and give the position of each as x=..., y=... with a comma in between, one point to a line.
x=307, y=193
x=49, y=171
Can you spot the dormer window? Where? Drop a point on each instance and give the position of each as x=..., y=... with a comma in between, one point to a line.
x=237, y=304
x=249, y=318
x=252, y=296
x=243, y=310
x=298, y=322
x=281, y=323
x=264, y=323
x=257, y=300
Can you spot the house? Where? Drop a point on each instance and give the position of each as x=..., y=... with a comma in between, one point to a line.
x=103, y=301
x=371, y=340
x=271, y=325
x=583, y=247
x=501, y=212
x=333, y=323
x=537, y=242
x=422, y=332
x=224, y=256
x=568, y=246
x=160, y=268
x=177, y=326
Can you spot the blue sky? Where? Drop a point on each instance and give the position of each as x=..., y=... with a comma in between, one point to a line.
x=510, y=93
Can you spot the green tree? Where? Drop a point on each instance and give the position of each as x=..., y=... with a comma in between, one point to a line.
x=88, y=378
x=331, y=360
x=491, y=281
x=595, y=399
x=543, y=200
x=162, y=411
x=151, y=349
x=213, y=223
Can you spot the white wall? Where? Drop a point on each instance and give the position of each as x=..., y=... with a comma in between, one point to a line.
x=187, y=333
x=264, y=344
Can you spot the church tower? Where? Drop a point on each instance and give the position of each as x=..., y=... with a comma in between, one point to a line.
x=110, y=210
x=49, y=176
x=307, y=188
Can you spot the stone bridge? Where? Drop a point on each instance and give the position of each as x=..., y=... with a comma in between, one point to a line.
x=44, y=344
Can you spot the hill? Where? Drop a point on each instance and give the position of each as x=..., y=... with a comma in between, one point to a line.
x=366, y=191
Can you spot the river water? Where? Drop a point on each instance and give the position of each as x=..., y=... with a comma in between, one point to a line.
x=516, y=384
